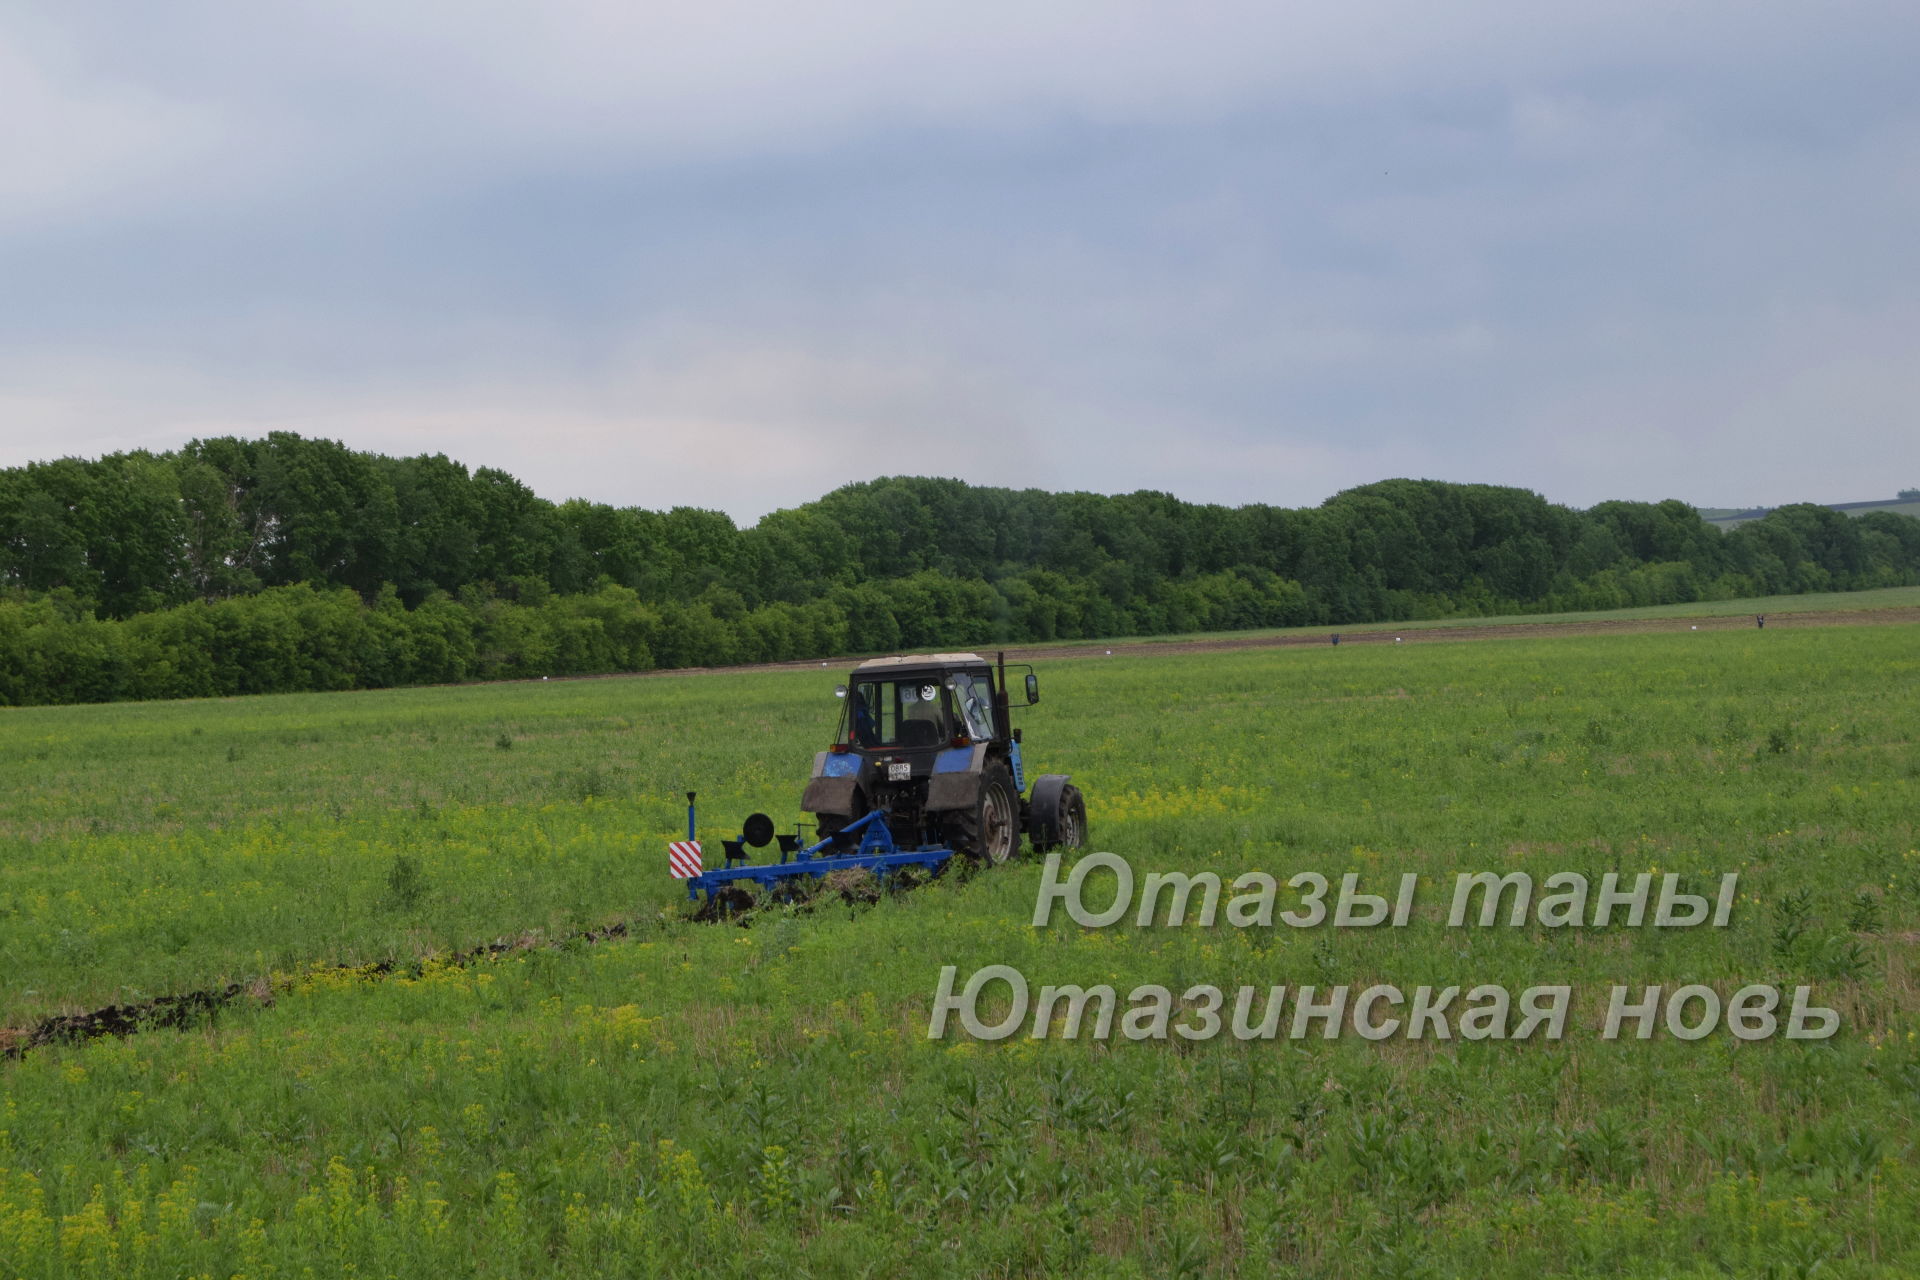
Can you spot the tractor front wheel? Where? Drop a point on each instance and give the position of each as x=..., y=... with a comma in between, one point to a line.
x=1057, y=817
x=1073, y=818
x=989, y=832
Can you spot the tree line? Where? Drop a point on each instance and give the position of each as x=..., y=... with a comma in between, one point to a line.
x=286, y=563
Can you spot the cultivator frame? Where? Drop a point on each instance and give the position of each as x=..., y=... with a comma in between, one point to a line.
x=877, y=852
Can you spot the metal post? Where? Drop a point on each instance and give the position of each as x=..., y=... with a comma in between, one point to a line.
x=690, y=834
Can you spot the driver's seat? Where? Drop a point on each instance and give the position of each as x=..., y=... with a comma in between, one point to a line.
x=919, y=733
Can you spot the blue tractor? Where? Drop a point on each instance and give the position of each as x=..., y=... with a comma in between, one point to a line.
x=928, y=743
x=925, y=765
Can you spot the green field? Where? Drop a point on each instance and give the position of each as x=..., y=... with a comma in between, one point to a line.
x=765, y=1100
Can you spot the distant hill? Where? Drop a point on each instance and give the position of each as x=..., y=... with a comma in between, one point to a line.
x=1730, y=518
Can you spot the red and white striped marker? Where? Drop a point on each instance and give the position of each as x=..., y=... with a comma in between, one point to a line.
x=683, y=859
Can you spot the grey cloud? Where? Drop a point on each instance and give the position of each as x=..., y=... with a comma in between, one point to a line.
x=735, y=256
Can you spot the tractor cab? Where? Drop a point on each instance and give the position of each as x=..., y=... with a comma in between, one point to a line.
x=896, y=708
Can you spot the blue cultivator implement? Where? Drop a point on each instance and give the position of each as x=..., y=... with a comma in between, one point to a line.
x=875, y=852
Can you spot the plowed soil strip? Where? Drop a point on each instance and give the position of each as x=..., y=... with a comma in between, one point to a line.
x=202, y=1008
x=1413, y=633
x=1423, y=634
x=198, y=1008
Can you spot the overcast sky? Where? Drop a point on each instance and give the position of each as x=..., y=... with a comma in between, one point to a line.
x=735, y=255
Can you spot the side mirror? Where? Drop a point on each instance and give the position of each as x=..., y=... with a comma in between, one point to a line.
x=1033, y=688
x=839, y=691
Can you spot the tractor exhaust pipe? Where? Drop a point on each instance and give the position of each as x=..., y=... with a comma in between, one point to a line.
x=1003, y=706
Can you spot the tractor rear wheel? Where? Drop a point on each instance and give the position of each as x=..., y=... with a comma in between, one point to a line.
x=989, y=832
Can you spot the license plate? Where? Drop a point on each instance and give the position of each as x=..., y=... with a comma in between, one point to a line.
x=899, y=773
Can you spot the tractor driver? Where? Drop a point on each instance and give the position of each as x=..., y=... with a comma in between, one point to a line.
x=864, y=731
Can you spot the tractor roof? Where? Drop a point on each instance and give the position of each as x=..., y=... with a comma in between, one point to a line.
x=923, y=660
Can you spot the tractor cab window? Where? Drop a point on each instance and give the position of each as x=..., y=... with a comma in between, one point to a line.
x=974, y=693
x=900, y=713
